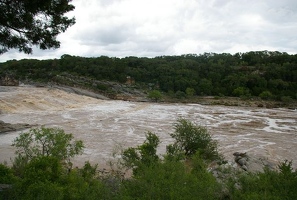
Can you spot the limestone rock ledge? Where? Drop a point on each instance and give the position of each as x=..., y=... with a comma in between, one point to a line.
x=7, y=127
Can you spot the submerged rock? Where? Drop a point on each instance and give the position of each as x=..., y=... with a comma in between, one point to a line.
x=7, y=127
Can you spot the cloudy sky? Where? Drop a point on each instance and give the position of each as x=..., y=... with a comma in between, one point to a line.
x=148, y=28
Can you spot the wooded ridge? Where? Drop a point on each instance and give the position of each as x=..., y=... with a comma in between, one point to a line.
x=264, y=74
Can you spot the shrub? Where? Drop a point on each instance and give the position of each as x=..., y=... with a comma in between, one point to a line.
x=102, y=87
x=286, y=99
x=241, y=91
x=190, y=139
x=142, y=155
x=155, y=95
x=78, y=186
x=42, y=169
x=270, y=184
x=265, y=95
x=180, y=94
x=43, y=190
x=43, y=141
x=190, y=92
x=170, y=180
x=6, y=175
x=47, y=142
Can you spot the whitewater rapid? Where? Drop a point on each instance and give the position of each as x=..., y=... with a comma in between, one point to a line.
x=104, y=125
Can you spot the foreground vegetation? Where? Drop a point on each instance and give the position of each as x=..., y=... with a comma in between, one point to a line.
x=262, y=74
x=42, y=169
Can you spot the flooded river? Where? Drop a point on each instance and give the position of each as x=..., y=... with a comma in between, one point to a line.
x=105, y=124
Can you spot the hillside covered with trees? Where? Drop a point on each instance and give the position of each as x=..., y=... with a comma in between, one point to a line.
x=265, y=74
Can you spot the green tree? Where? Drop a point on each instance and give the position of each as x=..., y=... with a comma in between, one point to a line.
x=241, y=91
x=205, y=86
x=84, y=184
x=171, y=180
x=180, y=94
x=191, y=139
x=42, y=169
x=286, y=99
x=190, y=92
x=39, y=180
x=26, y=23
x=46, y=178
x=155, y=178
x=43, y=141
x=155, y=95
x=142, y=155
x=265, y=95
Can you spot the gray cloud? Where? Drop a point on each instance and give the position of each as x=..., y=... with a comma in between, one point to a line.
x=104, y=36
x=172, y=27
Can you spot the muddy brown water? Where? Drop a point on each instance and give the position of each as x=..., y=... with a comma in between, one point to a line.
x=104, y=125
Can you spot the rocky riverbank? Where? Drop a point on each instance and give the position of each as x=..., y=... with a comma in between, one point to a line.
x=8, y=127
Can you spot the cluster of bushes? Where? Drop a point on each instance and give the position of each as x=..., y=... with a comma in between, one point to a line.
x=42, y=170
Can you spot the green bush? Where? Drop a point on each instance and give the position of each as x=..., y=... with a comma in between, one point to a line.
x=142, y=155
x=270, y=184
x=190, y=139
x=75, y=186
x=155, y=95
x=265, y=95
x=241, y=91
x=42, y=169
x=6, y=175
x=286, y=99
x=102, y=87
x=46, y=178
x=190, y=92
x=43, y=190
x=170, y=180
x=45, y=142
x=39, y=180
x=180, y=95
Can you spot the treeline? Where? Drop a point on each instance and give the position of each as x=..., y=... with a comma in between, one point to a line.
x=270, y=75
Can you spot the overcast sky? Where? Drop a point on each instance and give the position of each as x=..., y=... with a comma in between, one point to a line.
x=149, y=28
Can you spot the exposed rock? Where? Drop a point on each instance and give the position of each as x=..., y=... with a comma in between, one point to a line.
x=258, y=164
x=239, y=154
x=8, y=80
x=80, y=91
x=244, y=167
x=94, y=88
x=252, y=163
x=242, y=164
x=242, y=161
x=7, y=127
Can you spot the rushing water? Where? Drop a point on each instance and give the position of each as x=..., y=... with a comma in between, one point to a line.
x=103, y=125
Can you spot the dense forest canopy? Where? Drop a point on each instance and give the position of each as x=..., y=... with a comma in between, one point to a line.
x=256, y=73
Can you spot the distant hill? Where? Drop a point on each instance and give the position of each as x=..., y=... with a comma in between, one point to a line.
x=261, y=74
